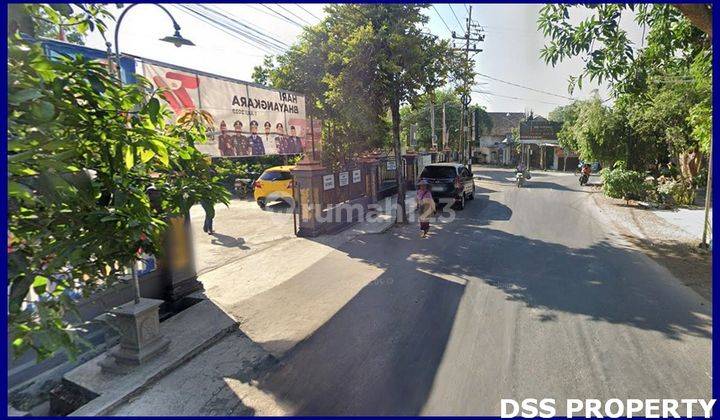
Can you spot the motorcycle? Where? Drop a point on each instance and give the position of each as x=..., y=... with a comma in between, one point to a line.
x=584, y=179
x=520, y=178
x=242, y=187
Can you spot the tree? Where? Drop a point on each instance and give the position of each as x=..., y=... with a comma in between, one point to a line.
x=664, y=86
x=359, y=62
x=84, y=155
x=50, y=20
x=419, y=115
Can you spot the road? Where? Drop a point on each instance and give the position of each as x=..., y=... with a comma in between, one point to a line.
x=525, y=294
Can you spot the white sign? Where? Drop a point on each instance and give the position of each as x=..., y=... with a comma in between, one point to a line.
x=391, y=166
x=356, y=176
x=343, y=178
x=328, y=182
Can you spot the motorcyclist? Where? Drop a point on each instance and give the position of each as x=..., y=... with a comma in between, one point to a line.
x=586, y=169
x=520, y=168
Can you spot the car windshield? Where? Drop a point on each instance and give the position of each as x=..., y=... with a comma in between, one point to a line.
x=276, y=176
x=438, y=172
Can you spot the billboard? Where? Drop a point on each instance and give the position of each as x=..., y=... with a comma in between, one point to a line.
x=250, y=120
x=539, y=129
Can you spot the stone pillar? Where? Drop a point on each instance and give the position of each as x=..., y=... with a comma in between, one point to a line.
x=140, y=337
x=410, y=171
x=370, y=169
x=308, y=181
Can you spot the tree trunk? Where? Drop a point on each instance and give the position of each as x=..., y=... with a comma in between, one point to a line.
x=690, y=164
x=395, y=112
x=699, y=14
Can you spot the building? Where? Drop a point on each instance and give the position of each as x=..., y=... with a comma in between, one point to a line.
x=497, y=147
x=539, y=143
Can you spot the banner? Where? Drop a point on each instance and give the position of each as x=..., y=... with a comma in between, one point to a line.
x=249, y=120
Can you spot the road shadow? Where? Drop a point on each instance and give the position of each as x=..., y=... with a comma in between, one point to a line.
x=228, y=241
x=378, y=355
x=532, y=184
x=380, y=352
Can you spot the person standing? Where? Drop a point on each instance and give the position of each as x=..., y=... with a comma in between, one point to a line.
x=256, y=143
x=241, y=143
x=225, y=141
x=209, y=208
x=425, y=206
x=281, y=141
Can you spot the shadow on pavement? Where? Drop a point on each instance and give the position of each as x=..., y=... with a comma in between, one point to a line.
x=379, y=354
x=228, y=241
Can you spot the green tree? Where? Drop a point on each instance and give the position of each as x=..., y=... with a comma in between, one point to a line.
x=663, y=87
x=84, y=155
x=47, y=20
x=419, y=115
x=359, y=62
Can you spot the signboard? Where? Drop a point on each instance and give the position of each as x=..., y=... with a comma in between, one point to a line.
x=391, y=165
x=356, y=176
x=328, y=182
x=411, y=136
x=250, y=120
x=343, y=178
x=539, y=129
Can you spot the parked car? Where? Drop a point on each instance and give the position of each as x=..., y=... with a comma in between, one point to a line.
x=450, y=181
x=275, y=184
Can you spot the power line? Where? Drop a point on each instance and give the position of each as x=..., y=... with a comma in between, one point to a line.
x=514, y=97
x=526, y=87
x=247, y=38
x=307, y=11
x=243, y=27
x=441, y=18
x=287, y=19
x=292, y=13
x=456, y=18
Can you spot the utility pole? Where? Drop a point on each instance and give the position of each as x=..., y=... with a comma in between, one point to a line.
x=473, y=32
x=444, y=130
x=707, y=226
x=433, y=136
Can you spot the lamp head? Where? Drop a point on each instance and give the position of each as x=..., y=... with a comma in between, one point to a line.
x=177, y=39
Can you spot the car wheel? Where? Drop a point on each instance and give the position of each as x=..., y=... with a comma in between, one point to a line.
x=461, y=202
x=261, y=202
x=472, y=194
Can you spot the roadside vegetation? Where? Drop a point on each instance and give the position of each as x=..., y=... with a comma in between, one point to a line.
x=662, y=91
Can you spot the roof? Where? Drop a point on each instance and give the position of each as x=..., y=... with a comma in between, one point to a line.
x=281, y=168
x=504, y=122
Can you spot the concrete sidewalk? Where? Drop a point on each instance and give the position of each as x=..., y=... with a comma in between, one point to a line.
x=266, y=293
x=251, y=288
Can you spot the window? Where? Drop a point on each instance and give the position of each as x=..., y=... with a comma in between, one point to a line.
x=276, y=176
x=438, y=172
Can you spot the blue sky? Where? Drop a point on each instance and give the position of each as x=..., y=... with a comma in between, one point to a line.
x=510, y=51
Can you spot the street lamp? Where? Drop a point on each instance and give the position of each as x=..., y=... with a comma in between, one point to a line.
x=175, y=39
x=138, y=321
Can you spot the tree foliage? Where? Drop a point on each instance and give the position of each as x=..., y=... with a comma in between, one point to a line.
x=355, y=65
x=419, y=115
x=662, y=89
x=94, y=173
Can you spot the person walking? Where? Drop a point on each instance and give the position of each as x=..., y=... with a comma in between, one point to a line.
x=209, y=208
x=425, y=206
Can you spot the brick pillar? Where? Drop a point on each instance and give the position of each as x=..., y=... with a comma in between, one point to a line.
x=410, y=171
x=308, y=181
x=370, y=169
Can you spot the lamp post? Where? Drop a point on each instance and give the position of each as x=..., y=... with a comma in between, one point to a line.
x=138, y=321
x=175, y=39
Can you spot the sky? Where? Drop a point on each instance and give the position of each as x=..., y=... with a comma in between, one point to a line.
x=511, y=50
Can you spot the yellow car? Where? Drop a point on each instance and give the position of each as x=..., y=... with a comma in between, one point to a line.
x=273, y=185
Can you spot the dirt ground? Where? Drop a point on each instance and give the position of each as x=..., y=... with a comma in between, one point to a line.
x=661, y=241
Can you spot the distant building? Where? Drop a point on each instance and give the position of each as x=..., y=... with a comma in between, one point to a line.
x=497, y=146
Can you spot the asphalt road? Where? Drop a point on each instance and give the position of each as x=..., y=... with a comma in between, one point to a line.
x=525, y=294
